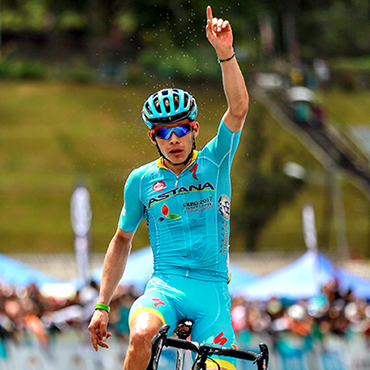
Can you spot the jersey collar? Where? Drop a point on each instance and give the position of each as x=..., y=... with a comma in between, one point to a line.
x=160, y=163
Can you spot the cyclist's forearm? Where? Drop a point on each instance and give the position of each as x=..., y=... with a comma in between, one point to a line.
x=236, y=95
x=220, y=35
x=114, y=266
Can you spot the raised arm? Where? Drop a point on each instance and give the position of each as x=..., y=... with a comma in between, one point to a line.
x=219, y=34
x=114, y=266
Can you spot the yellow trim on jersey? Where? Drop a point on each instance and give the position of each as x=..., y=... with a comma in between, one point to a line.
x=223, y=364
x=160, y=163
x=147, y=310
x=230, y=275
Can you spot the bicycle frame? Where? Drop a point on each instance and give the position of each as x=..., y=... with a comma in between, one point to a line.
x=203, y=351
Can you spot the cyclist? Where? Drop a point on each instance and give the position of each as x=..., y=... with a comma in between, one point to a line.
x=184, y=197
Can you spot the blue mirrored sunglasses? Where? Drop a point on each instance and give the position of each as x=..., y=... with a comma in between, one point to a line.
x=166, y=132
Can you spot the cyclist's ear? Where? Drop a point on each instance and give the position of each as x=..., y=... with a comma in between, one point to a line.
x=152, y=137
x=196, y=129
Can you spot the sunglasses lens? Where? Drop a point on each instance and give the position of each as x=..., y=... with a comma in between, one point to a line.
x=165, y=132
x=182, y=130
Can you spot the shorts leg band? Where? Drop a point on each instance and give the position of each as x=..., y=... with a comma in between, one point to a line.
x=147, y=310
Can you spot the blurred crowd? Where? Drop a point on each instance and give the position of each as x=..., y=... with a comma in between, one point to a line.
x=333, y=311
x=27, y=312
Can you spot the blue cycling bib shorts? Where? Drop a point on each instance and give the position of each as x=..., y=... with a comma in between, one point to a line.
x=173, y=298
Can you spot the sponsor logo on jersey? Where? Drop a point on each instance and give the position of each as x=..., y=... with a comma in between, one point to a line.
x=166, y=213
x=194, y=171
x=158, y=302
x=197, y=206
x=225, y=237
x=224, y=206
x=123, y=212
x=220, y=339
x=183, y=189
x=154, y=174
x=159, y=186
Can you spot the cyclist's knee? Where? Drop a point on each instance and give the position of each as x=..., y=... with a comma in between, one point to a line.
x=140, y=338
x=142, y=330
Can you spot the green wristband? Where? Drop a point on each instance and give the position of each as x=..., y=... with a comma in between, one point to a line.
x=102, y=306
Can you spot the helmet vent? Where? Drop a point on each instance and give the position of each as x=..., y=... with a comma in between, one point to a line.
x=167, y=105
x=176, y=101
x=148, y=108
x=157, y=105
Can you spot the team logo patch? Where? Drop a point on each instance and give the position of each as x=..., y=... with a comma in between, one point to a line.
x=159, y=186
x=167, y=215
x=224, y=206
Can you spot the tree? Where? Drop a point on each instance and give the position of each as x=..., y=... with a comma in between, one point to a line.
x=266, y=190
x=333, y=27
x=340, y=28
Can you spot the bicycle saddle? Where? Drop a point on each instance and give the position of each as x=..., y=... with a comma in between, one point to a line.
x=183, y=329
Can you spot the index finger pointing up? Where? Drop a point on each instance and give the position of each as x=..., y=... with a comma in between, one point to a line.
x=209, y=13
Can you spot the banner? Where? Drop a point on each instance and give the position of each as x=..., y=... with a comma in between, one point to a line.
x=81, y=220
x=309, y=227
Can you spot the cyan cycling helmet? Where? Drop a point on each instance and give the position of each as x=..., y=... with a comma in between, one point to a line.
x=169, y=106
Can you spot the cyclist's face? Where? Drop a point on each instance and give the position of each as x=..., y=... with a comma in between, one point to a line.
x=175, y=148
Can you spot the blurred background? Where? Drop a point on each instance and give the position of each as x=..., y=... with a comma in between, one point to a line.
x=74, y=75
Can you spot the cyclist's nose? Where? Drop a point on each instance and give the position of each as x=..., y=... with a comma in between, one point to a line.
x=174, y=138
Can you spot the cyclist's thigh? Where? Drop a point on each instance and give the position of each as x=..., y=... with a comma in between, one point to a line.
x=146, y=322
x=155, y=300
x=215, y=326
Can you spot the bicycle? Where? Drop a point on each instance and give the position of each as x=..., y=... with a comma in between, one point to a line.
x=202, y=351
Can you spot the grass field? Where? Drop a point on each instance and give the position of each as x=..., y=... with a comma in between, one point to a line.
x=53, y=135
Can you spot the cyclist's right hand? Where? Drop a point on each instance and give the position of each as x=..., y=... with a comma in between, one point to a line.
x=98, y=329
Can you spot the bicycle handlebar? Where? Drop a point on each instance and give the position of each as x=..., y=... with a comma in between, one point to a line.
x=260, y=358
x=204, y=350
x=182, y=343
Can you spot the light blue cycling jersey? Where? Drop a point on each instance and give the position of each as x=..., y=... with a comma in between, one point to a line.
x=187, y=215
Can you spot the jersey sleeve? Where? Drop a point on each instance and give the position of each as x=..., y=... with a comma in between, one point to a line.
x=133, y=209
x=224, y=143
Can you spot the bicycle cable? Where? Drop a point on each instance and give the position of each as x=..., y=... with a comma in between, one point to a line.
x=208, y=358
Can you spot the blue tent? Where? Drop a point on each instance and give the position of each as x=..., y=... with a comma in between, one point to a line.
x=304, y=278
x=19, y=274
x=140, y=267
x=239, y=278
x=360, y=285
